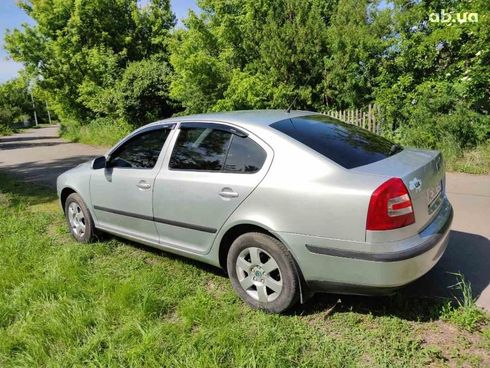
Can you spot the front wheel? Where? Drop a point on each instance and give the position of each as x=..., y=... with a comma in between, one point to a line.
x=79, y=219
x=263, y=272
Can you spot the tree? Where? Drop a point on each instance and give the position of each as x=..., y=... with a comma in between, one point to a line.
x=16, y=105
x=433, y=81
x=108, y=61
x=251, y=54
x=80, y=50
x=13, y=104
x=357, y=40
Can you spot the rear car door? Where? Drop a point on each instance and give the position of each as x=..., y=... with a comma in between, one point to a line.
x=122, y=192
x=210, y=171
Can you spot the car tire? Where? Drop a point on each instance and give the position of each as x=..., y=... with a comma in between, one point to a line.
x=269, y=286
x=79, y=219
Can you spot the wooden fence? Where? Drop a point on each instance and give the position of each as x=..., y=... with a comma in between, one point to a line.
x=365, y=118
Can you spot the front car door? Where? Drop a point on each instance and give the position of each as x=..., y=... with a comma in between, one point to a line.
x=122, y=193
x=210, y=171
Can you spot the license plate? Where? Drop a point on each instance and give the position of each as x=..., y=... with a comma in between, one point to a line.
x=434, y=196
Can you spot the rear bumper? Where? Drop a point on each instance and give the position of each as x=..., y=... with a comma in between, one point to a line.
x=362, y=268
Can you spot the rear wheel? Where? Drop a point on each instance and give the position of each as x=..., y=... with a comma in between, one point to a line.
x=263, y=272
x=79, y=219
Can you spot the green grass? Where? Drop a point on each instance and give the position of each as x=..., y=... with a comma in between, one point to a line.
x=474, y=161
x=114, y=303
x=465, y=313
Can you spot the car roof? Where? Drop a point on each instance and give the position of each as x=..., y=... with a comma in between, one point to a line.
x=245, y=118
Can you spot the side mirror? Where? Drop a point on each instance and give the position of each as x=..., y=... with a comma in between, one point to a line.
x=99, y=163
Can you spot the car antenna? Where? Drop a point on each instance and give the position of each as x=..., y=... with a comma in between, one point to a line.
x=288, y=110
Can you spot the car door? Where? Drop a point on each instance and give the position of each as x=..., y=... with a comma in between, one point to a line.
x=212, y=168
x=122, y=193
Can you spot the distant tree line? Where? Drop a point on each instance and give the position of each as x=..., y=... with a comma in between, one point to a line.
x=112, y=65
x=18, y=100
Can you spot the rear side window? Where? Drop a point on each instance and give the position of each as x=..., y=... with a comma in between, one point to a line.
x=345, y=144
x=141, y=151
x=200, y=149
x=244, y=156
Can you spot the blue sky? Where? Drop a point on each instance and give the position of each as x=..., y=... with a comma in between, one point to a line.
x=12, y=17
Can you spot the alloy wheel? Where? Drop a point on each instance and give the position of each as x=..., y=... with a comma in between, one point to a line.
x=259, y=274
x=77, y=219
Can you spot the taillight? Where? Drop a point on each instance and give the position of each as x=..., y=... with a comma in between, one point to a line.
x=390, y=207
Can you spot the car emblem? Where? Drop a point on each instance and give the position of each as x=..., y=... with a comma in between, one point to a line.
x=415, y=184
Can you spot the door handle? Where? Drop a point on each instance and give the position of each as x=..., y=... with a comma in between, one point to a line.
x=143, y=185
x=228, y=193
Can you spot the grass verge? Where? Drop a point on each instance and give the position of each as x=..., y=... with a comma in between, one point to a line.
x=113, y=303
x=474, y=161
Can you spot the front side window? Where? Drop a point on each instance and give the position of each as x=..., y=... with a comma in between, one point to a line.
x=141, y=151
x=202, y=149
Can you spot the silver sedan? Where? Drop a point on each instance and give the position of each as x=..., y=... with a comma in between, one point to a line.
x=288, y=203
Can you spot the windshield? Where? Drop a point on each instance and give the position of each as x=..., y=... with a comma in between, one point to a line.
x=345, y=144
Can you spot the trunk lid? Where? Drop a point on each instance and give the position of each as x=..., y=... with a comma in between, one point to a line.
x=423, y=174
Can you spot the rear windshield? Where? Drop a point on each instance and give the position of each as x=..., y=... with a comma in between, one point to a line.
x=345, y=144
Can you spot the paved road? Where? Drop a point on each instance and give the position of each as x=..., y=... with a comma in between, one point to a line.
x=468, y=251
x=38, y=155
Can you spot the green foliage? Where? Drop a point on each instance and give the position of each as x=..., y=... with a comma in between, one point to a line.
x=138, y=97
x=436, y=113
x=16, y=105
x=250, y=54
x=142, y=93
x=433, y=84
x=87, y=54
x=357, y=39
x=431, y=79
x=99, y=132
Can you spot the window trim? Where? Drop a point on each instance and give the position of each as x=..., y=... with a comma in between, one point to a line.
x=135, y=134
x=217, y=126
x=220, y=126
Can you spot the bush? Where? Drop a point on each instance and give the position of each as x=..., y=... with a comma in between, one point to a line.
x=5, y=130
x=435, y=116
x=142, y=93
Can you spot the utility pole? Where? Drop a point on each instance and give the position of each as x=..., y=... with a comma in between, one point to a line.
x=49, y=115
x=34, y=108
